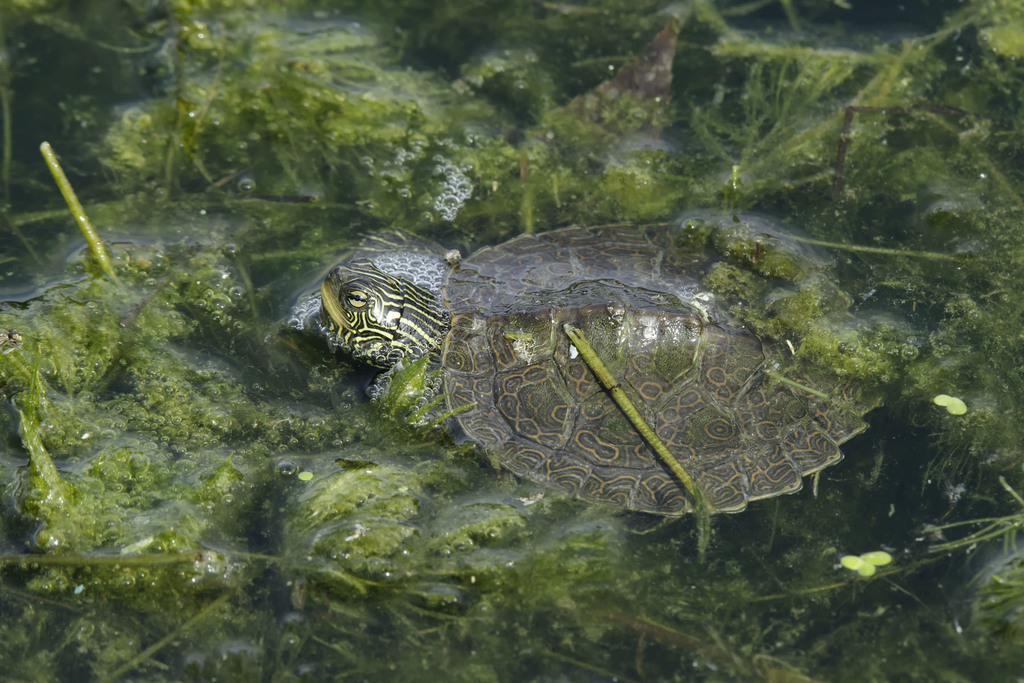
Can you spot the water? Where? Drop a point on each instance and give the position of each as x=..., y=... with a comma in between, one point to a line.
x=196, y=490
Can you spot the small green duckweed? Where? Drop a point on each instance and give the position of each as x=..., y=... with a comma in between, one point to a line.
x=952, y=404
x=866, y=564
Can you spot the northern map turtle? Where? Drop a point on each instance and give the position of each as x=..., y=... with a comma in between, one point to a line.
x=494, y=324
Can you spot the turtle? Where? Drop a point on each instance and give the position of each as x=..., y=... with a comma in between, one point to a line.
x=493, y=323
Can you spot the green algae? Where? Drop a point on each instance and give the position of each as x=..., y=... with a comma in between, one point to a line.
x=152, y=525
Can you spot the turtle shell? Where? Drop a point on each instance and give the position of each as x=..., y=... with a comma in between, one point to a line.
x=697, y=378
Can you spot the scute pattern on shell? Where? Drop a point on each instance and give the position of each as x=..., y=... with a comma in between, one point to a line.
x=697, y=378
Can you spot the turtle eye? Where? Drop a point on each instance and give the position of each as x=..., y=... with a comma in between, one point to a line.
x=356, y=298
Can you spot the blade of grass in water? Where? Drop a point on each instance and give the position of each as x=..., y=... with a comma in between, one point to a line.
x=96, y=246
x=701, y=506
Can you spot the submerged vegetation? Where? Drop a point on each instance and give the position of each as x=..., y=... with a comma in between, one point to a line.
x=194, y=488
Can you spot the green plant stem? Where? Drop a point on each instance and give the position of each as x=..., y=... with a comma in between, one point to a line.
x=701, y=507
x=602, y=674
x=169, y=638
x=8, y=135
x=840, y=246
x=796, y=385
x=78, y=561
x=5, y=113
x=56, y=491
x=96, y=246
x=40, y=463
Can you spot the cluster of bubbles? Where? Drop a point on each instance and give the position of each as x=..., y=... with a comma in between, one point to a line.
x=305, y=315
x=455, y=190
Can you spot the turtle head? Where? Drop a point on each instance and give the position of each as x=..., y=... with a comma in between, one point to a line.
x=380, y=318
